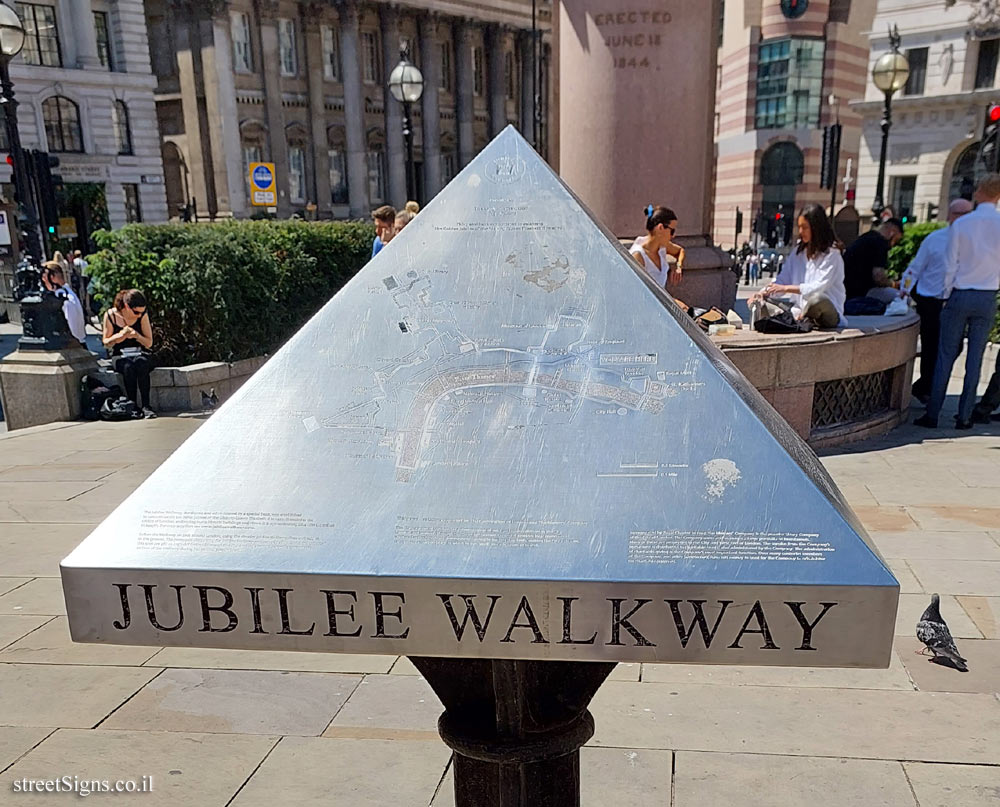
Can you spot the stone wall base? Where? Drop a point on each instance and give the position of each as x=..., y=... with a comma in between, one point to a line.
x=41, y=386
x=178, y=389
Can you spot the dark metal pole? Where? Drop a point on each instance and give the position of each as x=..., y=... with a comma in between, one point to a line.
x=879, y=204
x=411, y=177
x=535, y=98
x=27, y=215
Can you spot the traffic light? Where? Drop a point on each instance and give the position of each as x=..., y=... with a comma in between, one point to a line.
x=989, y=145
x=739, y=221
x=932, y=211
x=830, y=162
x=42, y=164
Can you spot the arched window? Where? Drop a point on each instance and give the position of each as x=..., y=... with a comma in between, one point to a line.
x=297, y=140
x=969, y=169
x=376, y=167
x=253, y=142
x=62, y=124
x=781, y=170
x=123, y=129
x=336, y=143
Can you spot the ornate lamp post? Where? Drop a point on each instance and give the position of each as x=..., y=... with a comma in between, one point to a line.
x=42, y=321
x=406, y=83
x=889, y=74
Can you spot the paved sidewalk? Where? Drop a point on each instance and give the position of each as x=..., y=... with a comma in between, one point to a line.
x=255, y=729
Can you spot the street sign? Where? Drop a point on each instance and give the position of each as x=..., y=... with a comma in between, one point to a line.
x=67, y=228
x=262, y=185
x=500, y=440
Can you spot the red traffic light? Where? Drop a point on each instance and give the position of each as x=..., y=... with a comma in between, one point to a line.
x=993, y=113
x=777, y=217
x=10, y=160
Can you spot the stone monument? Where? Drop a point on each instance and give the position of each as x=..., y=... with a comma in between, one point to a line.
x=501, y=451
x=636, y=101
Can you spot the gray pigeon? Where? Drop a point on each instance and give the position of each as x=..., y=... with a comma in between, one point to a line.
x=933, y=631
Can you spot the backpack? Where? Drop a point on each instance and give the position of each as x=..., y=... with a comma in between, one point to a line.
x=864, y=307
x=93, y=394
x=120, y=408
x=784, y=322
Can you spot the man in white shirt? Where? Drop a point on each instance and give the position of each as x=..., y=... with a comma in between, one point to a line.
x=55, y=281
x=924, y=281
x=971, y=281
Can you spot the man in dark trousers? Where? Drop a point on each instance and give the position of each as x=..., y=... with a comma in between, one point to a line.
x=866, y=263
x=971, y=281
x=924, y=281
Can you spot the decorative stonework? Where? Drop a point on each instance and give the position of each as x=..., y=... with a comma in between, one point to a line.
x=984, y=19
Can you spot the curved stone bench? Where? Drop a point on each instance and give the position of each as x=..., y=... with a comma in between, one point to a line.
x=833, y=387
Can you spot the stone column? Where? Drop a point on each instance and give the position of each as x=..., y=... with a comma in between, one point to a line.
x=271, y=68
x=395, y=148
x=430, y=66
x=198, y=153
x=354, y=112
x=220, y=107
x=313, y=44
x=464, y=110
x=85, y=34
x=495, y=39
x=525, y=50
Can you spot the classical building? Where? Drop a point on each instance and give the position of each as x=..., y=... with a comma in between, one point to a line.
x=937, y=118
x=780, y=62
x=85, y=94
x=302, y=84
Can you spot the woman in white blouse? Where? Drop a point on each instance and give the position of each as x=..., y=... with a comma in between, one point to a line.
x=813, y=274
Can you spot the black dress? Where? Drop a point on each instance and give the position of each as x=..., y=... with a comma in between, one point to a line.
x=134, y=369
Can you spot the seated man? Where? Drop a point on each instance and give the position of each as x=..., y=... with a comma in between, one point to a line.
x=54, y=280
x=866, y=261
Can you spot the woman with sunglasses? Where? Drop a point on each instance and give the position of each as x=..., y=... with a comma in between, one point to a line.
x=128, y=334
x=655, y=250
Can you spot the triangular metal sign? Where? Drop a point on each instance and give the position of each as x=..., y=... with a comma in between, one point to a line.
x=498, y=440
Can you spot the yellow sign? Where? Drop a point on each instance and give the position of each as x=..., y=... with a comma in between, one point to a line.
x=262, y=190
x=66, y=228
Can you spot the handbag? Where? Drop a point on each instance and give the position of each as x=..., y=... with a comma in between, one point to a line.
x=120, y=408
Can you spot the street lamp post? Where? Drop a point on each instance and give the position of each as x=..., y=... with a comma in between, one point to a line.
x=43, y=324
x=889, y=74
x=406, y=83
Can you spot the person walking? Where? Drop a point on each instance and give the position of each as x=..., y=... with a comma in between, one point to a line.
x=971, y=281
x=923, y=280
x=654, y=250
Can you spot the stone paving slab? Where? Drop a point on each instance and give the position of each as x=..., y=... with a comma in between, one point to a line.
x=908, y=583
x=937, y=545
x=42, y=595
x=346, y=773
x=59, y=472
x=954, y=785
x=855, y=723
x=14, y=626
x=51, y=644
x=759, y=780
x=35, y=550
x=43, y=491
x=196, y=657
x=205, y=770
x=983, y=656
x=45, y=512
x=18, y=740
x=979, y=578
x=65, y=696
x=621, y=672
x=236, y=702
x=941, y=490
x=9, y=514
x=985, y=612
x=885, y=519
x=10, y=583
x=608, y=776
x=389, y=702
x=894, y=677
x=948, y=518
x=911, y=607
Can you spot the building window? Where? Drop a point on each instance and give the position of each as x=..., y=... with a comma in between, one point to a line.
x=449, y=166
x=509, y=84
x=445, y=82
x=103, y=40
x=781, y=170
x=331, y=54
x=239, y=24
x=376, y=175
x=986, y=66
x=371, y=63
x=287, y=53
x=133, y=211
x=338, y=176
x=297, y=173
x=62, y=124
x=477, y=70
x=789, y=83
x=251, y=154
x=41, y=37
x=840, y=10
x=917, y=57
x=903, y=191
x=123, y=130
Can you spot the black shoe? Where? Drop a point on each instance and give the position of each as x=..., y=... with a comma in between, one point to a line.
x=147, y=413
x=980, y=417
x=926, y=422
x=963, y=425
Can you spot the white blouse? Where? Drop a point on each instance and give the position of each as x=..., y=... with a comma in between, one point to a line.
x=819, y=275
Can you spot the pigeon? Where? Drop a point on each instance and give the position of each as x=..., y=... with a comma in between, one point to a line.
x=209, y=400
x=933, y=631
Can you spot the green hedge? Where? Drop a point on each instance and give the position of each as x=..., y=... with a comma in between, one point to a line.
x=228, y=291
x=906, y=250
